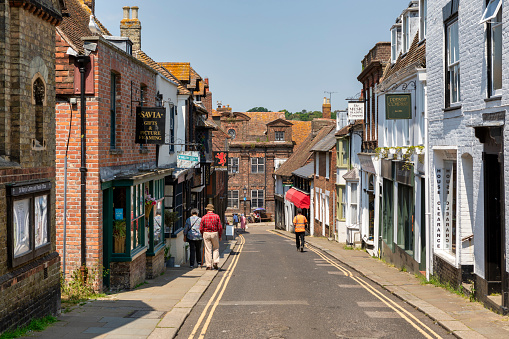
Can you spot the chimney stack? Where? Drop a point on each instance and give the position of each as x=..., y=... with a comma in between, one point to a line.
x=326, y=108
x=131, y=27
x=90, y=4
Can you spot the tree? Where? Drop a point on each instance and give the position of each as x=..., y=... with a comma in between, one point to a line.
x=258, y=109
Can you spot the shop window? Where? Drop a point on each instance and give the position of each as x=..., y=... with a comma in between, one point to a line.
x=29, y=222
x=119, y=222
x=388, y=213
x=157, y=227
x=406, y=218
x=137, y=220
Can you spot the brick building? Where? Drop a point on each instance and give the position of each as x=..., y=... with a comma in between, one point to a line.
x=29, y=262
x=111, y=226
x=259, y=143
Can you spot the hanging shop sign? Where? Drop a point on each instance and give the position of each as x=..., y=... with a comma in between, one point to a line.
x=356, y=110
x=221, y=161
x=188, y=159
x=398, y=106
x=288, y=182
x=150, y=125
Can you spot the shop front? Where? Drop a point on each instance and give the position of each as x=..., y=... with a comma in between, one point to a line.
x=134, y=224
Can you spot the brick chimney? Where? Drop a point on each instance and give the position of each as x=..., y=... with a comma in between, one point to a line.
x=90, y=4
x=131, y=26
x=326, y=109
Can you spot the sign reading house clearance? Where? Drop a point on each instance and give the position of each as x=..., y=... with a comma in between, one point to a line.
x=398, y=106
x=150, y=123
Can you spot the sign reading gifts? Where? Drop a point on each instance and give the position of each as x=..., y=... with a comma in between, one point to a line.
x=150, y=124
x=398, y=106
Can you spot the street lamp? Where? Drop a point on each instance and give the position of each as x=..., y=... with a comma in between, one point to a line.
x=245, y=192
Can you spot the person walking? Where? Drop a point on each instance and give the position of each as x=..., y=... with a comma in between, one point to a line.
x=299, y=224
x=211, y=229
x=235, y=220
x=243, y=222
x=194, y=237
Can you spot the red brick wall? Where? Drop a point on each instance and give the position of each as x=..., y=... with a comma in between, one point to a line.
x=327, y=185
x=106, y=60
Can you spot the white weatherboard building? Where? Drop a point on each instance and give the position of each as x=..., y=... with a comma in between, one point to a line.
x=468, y=96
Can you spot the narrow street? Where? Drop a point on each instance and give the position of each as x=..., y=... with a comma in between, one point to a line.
x=267, y=289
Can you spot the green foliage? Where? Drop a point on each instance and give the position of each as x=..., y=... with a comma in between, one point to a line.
x=258, y=109
x=77, y=289
x=140, y=284
x=36, y=325
x=119, y=228
x=435, y=281
x=346, y=247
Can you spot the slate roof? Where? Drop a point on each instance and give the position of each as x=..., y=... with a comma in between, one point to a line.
x=305, y=171
x=303, y=153
x=143, y=57
x=300, y=130
x=75, y=26
x=326, y=143
x=352, y=174
x=345, y=130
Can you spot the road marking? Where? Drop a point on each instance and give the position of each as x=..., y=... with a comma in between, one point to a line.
x=382, y=315
x=350, y=286
x=390, y=303
x=224, y=280
x=263, y=302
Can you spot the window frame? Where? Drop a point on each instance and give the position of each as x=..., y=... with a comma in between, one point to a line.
x=341, y=203
x=230, y=199
x=491, y=48
x=423, y=18
x=15, y=194
x=255, y=201
x=113, y=110
x=455, y=65
x=231, y=165
x=279, y=136
x=353, y=201
x=259, y=165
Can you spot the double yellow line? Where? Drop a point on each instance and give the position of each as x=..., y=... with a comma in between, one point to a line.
x=219, y=290
x=407, y=316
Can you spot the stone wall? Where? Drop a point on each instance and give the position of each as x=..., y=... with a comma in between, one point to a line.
x=155, y=265
x=128, y=274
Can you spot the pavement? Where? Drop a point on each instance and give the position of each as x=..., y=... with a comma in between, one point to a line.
x=158, y=308
x=457, y=314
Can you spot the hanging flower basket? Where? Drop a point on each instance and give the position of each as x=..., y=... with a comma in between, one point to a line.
x=419, y=150
x=148, y=208
x=393, y=150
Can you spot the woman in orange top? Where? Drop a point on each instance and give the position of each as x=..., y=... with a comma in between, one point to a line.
x=299, y=224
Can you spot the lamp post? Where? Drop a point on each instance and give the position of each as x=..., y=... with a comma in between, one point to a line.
x=245, y=192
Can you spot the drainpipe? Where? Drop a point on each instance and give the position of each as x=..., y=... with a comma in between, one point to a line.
x=82, y=61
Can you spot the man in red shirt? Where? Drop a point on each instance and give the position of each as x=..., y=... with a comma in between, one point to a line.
x=211, y=229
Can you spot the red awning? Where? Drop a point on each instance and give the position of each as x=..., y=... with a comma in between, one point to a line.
x=299, y=199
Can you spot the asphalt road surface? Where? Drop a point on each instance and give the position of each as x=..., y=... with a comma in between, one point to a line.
x=267, y=289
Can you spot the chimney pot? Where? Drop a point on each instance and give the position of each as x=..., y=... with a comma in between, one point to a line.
x=127, y=9
x=135, y=12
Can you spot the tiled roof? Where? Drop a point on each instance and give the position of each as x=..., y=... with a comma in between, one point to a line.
x=302, y=153
x=259, y=120
x=300, y=130
x=75, y=26
x=181, y=70
x=352, y=174
x=326, y=143
x=415, y=57
x=143, y=57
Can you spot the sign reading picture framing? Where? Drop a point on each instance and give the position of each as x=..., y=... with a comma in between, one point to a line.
x=150, y=125
x=398, y=106
x=356, y=110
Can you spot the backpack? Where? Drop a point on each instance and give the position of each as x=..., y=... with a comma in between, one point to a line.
x=194, y=232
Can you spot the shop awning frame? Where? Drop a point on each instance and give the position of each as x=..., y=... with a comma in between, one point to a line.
x=298, y=198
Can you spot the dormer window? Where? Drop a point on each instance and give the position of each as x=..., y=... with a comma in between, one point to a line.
x=409, y=28
x=423, y=18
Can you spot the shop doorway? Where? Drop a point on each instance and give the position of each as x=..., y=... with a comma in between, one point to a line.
x=493, y=231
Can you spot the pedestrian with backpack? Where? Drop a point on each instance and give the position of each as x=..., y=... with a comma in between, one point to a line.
x=193, y=236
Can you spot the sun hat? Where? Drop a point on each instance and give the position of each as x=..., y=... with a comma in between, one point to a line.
x=209, y=207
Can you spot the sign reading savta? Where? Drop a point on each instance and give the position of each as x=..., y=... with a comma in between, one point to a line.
x=398, y=106
x=356, y=111
x=150, y=124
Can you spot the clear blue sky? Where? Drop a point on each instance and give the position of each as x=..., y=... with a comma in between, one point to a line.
x=279, y=54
